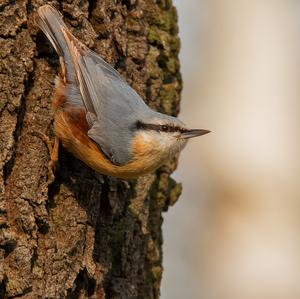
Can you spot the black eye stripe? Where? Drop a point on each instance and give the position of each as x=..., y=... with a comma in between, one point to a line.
x=159, y=128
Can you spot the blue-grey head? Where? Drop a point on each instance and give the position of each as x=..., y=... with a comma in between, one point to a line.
x=166, y=135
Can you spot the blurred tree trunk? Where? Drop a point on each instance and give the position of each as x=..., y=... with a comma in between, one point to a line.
x=85, y=235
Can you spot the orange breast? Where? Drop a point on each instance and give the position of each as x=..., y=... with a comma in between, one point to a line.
x=71, y=128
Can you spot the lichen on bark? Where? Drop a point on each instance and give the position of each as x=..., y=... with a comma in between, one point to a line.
x=85, y=235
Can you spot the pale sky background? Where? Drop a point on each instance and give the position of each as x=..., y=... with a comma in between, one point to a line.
x=235, y=232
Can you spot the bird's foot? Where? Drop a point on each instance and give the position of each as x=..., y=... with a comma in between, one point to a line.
x=53, y=152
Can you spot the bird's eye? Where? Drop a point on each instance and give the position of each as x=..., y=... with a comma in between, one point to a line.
x=165, y=128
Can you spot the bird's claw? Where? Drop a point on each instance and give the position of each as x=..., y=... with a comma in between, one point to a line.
x=53, y=152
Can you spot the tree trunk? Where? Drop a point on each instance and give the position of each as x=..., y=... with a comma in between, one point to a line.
x=85, y=235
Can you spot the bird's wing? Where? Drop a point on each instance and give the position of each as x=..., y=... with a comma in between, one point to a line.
x=113, y=106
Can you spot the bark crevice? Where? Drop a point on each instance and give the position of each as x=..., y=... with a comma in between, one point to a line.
x=20, y=112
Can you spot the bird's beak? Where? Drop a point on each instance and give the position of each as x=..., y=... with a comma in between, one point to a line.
x=194, y=133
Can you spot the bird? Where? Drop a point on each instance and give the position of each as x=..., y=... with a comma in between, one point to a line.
x=99, y=117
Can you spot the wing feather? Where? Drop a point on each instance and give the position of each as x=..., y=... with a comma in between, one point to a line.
x=113, y=107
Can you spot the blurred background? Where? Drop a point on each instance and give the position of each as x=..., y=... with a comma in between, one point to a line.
x=235, y=232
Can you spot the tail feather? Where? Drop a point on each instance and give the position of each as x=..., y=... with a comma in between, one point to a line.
x=51, y=23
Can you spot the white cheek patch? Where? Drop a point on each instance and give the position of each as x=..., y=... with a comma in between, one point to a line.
x=167, y=144
x=170, y=144
x=147, y=136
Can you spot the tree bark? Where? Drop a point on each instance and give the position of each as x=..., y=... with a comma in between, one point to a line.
x=85, y=235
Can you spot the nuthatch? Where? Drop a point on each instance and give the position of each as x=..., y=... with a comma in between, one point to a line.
x=99, y=118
